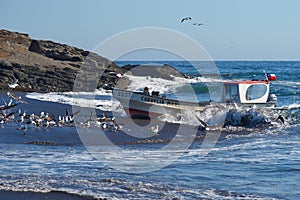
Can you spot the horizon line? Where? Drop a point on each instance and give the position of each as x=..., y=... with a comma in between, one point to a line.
x=217, y=60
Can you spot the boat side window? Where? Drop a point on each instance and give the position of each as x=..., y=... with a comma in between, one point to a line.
x=232, y=93
x=256, y=92
x=227, y=89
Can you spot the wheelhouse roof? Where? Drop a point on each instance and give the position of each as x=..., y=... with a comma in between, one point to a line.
x=246, y=82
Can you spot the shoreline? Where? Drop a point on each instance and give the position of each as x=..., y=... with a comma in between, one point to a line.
x=69, y=136
x=74, y=135
x=55, y=195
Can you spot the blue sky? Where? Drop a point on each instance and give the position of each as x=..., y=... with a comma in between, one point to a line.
x=258, y=29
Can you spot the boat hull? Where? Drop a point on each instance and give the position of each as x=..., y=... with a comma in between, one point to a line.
x=139, y=105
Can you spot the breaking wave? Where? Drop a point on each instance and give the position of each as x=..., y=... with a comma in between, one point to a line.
x=100, y=99
x=214, y=115
x=221, y=117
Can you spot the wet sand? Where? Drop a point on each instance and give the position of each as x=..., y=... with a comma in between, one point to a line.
x=14, y=195
x=134, y=131
x=137, y=131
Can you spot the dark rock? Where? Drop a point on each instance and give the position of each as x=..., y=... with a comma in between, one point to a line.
x=35, y=47
x=155, y=71
x=46, y=66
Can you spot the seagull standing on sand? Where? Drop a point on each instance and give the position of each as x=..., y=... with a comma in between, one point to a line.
x=186, y=19
x=5, y=117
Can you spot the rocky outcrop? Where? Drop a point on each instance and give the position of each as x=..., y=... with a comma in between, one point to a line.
x=46, y=66
x=155, y=71
x=58, y=51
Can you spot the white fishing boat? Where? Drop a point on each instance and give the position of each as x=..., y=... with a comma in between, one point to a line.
x=241, y=93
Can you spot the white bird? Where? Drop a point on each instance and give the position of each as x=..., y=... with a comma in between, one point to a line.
x=104, y=126
x=113, y=128
x=5, y=117
x=1, y=123
x=10, y=102
x=120, y=126
x=61, y=121
x=186, y=18
x=52, y=123
x=15, y=97
x=21, y=120
x=13, y=85
x=42, y=115
x=155, y=129
x=39, y=122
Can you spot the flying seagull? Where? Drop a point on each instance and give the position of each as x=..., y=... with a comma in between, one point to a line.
x=198, y=24
x=13, y=85
x=186, y=18
x=15, y=97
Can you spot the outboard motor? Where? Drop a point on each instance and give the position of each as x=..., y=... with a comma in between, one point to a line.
x=272, y=98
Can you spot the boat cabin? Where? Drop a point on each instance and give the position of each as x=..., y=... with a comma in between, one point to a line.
x=246, y=92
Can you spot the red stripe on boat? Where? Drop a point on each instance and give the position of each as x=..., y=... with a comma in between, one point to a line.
x=135, y=112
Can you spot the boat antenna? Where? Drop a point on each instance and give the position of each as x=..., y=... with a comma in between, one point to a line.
x=266, y=76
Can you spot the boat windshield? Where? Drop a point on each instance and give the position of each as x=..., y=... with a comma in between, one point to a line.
x=256, y=92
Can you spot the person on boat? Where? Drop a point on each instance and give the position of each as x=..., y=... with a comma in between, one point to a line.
x=146, y=91
x=155, y=93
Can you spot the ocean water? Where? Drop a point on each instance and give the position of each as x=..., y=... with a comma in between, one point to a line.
x=257, y=160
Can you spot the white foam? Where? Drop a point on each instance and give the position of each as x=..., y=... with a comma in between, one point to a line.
x=157, y=84
x=287, y=83
x=163, y=85
x=293, y=106
x=82, y=99
x=104, y=101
